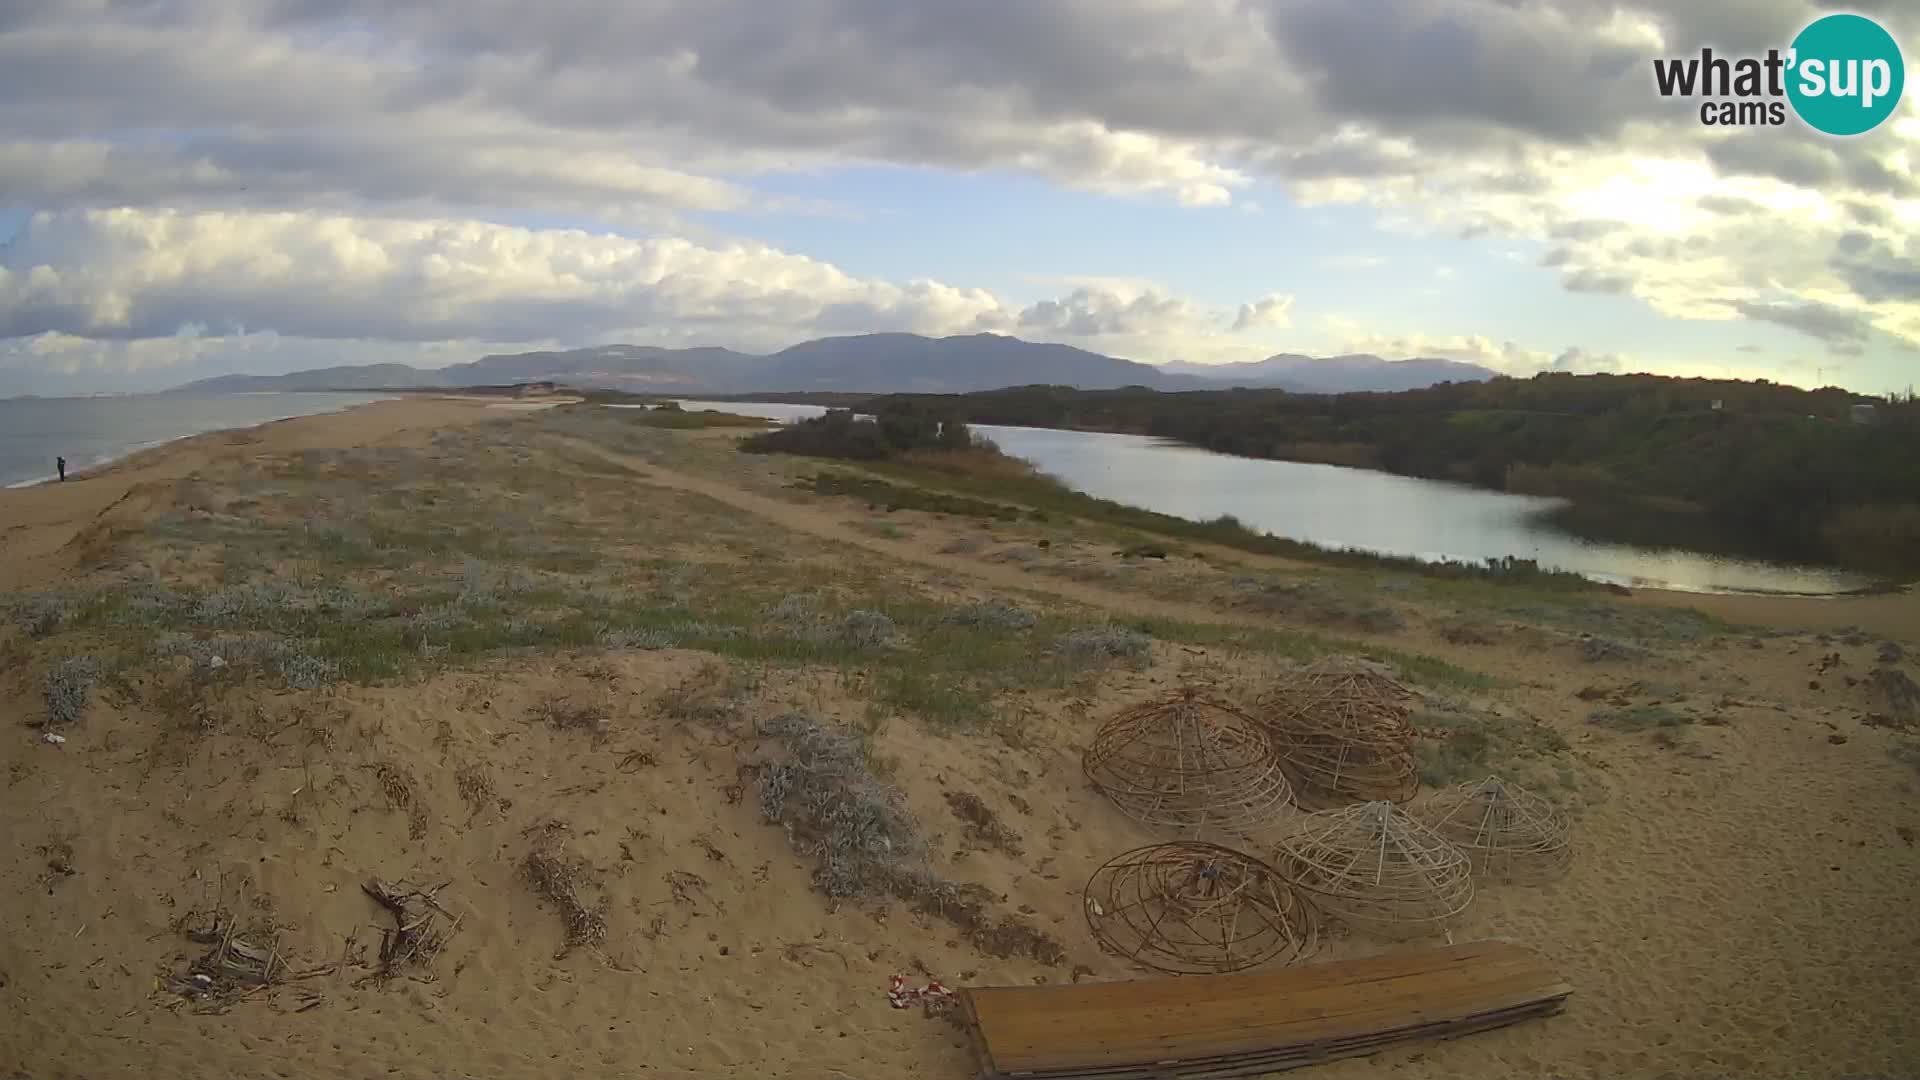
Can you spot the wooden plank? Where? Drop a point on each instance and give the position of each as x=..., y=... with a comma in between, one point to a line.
x=1295, y=1057
x=1316, y=992
x=1219, y=1022
x=1258, y=1064
x=1053, y=1046
x=1037, y=1034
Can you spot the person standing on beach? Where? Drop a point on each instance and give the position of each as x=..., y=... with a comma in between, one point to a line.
x=61, y=464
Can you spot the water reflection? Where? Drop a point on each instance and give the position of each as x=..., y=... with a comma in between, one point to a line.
x=1357, y=508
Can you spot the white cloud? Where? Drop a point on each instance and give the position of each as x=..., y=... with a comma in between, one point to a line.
x=342, y=168
x=1505, y=357
x=1273, y=309
x=134, y=274
x=152, y=289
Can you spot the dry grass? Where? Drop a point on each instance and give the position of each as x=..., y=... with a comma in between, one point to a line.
x=558, y=879
x=475, y=785
x=984, y=827
x=977, y=462
x=565, y=716
x=396, y=783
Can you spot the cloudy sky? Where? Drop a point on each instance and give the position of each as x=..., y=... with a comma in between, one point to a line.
x=189, y=187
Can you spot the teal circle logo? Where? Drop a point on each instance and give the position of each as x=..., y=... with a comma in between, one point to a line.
x=1846, y=75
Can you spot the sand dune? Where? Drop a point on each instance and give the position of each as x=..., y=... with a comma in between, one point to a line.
x=1739, y=903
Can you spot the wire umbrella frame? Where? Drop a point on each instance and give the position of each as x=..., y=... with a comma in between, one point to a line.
x=1375, y=868
x=1508, y=832
x=1344, y=735
x=1190, y=762
x=1190, y=908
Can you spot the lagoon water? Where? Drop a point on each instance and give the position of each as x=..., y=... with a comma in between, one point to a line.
x=92, y=431
x=1358, y=508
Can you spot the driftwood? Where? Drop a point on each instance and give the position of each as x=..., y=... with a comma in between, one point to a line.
x=233, y=967
x=418, y=932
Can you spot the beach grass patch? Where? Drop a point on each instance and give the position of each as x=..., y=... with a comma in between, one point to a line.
x=1455, y=747
x=1632, y=719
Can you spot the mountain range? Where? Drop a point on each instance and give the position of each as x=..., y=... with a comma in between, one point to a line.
x=1335, y=374
x=867, y=363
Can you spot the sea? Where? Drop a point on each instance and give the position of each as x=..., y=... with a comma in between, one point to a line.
x=92, y=431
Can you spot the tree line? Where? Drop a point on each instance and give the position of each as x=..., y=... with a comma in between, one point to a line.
x=1751, y=468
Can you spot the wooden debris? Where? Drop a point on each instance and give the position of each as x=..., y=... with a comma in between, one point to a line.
x=1251, y=1024
x=418, y=932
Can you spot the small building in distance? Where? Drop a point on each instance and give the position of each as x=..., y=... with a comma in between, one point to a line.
x=1864, y=414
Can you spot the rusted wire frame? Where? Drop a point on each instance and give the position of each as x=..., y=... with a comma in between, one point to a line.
x=1189, y=908
x=1343, y=737
x=1509, y=833
x=1376, y=868
x=1190, y=761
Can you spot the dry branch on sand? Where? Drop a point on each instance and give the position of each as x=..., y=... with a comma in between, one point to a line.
x=1192, y=908
x=1343, y=734
x=1377, y=869
x=232, y=967
x=417, y=934
x=1188, y=761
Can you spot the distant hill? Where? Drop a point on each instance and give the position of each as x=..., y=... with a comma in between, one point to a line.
x=866, y=363
x=347, y=377
x=1347, y=374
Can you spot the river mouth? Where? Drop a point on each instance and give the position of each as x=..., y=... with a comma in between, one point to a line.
x=1362, y=510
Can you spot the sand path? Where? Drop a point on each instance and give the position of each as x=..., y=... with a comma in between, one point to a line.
x=821, y=522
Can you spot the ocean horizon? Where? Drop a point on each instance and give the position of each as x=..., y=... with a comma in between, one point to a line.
x=98, y=430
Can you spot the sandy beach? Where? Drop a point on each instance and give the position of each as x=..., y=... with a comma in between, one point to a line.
x=439, y=641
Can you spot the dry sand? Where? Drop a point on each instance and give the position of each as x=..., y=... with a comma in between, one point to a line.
x=1740, y=903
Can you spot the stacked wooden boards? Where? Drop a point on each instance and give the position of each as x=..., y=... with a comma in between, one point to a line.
x=1204, y=1027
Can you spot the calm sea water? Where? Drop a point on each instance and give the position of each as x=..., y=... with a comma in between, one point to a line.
x=1360, y=509
x=94, y=431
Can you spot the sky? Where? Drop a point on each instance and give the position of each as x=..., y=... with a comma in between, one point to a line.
x=195, y=187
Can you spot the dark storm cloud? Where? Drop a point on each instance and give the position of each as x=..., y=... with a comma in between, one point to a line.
x=1874, y=271
x=1843, y=330
x=1525, y=68
x=1803, y=161
x=412, y=100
